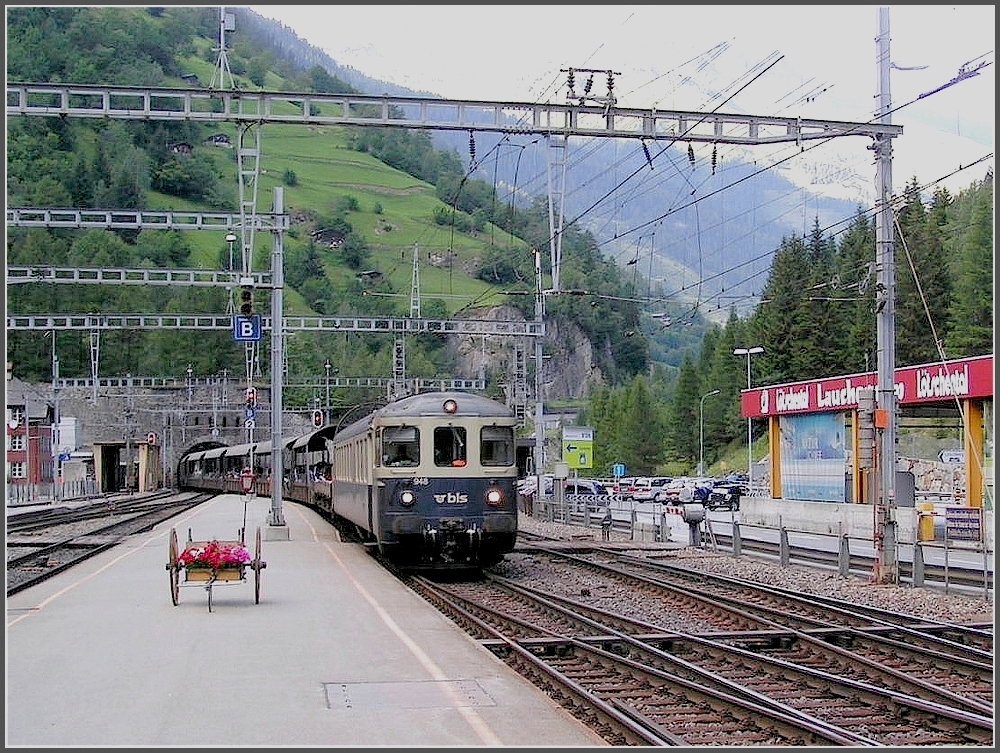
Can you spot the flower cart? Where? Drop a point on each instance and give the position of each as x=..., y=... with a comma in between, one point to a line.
x=210, y=563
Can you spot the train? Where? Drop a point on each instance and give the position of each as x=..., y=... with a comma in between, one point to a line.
x=428, y=479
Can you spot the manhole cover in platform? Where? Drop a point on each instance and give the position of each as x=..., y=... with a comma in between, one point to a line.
x=409, y=695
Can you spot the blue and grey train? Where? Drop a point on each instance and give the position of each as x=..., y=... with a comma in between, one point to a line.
x=429, y=479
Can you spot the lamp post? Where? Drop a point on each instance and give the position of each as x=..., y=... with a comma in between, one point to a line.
x=187, y=413
x=701, y=434
x=327, y=366
x=230, y=239
x=749, y=352
x=57, y=463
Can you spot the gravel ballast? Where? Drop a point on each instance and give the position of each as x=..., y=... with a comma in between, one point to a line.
x=929, y=602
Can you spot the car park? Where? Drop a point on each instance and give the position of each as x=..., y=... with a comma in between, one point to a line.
x=646, y=488
x=682, y=490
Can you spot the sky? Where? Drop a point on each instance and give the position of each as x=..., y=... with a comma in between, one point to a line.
x=811, y=61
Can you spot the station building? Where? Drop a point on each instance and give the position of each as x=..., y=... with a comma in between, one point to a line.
x=816, y=432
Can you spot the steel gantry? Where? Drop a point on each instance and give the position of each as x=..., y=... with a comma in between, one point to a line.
x=556, y=122
x=529, y=118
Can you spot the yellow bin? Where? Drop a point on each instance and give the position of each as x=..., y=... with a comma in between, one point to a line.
x=925, y=521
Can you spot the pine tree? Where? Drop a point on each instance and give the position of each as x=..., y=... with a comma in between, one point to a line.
x=971, y=328
x=775, y=320
x=923, y=292
x=856, y=270
x=682, y=427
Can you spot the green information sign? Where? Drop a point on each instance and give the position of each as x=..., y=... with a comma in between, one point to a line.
x=578, y=446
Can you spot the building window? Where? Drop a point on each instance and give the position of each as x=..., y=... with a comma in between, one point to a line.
x=17, y=415
x=17, y=443
x=18, y=470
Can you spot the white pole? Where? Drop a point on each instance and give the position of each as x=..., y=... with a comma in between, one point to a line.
x=749, y=436
x=701, y=432
x=749, y=352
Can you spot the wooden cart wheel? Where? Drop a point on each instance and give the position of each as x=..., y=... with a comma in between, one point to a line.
x=172, y=568
x=257, y=567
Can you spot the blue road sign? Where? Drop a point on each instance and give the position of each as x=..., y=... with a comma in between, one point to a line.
x=619, y=470
x=247, y=328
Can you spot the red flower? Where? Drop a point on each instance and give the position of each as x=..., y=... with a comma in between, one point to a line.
x=215, y=555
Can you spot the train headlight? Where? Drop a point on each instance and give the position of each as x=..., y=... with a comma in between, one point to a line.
x=407, y=498
x=449, y=406
x=494, y=497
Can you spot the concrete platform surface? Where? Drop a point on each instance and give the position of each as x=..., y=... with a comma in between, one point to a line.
x=336, y=653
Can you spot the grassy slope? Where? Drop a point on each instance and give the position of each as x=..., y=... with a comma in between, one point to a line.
x=394, y=212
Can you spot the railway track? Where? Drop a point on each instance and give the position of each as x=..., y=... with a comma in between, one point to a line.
x=614, y=671
x=41, y=545
x=826, y=636
x=971, y=580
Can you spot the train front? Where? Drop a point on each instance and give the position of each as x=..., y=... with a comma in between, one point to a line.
x=447, y=485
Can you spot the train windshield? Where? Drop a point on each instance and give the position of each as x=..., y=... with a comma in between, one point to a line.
x=496, y=446
x=401, y=446
x=449, y=446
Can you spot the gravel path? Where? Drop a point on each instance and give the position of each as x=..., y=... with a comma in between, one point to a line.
x=929, y=602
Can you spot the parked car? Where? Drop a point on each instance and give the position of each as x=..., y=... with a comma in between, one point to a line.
x=674, y=492
x=725, y=496
x=646, y=488
x=682, y=490
x=585, y=486
x=641, y=489
x=659, y=483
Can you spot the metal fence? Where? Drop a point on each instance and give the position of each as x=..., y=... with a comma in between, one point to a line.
x=48, y=493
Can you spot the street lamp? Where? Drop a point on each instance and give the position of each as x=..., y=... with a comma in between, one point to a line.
x=701, y=435
x=231, y=239
x=327, y=365
x=749, y=352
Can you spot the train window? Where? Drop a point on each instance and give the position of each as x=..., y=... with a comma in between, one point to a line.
x=497, y=445
x=401, y=446
x=449, y=446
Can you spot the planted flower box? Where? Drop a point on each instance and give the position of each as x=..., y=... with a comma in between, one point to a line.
x=214, y=560
x=205, y=574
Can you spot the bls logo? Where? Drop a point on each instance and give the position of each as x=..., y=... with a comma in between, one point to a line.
x=452, y=498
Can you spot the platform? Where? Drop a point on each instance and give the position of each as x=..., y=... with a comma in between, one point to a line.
x=336, y=653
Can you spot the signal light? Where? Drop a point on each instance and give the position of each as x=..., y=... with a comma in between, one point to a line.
x=317, y=418
x=246, y=301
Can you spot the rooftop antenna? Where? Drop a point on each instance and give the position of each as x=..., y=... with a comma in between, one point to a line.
x=227, y=22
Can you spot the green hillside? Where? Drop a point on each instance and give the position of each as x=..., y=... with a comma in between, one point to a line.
x=336, y=187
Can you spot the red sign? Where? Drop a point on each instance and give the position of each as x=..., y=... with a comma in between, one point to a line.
x=937, y=382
